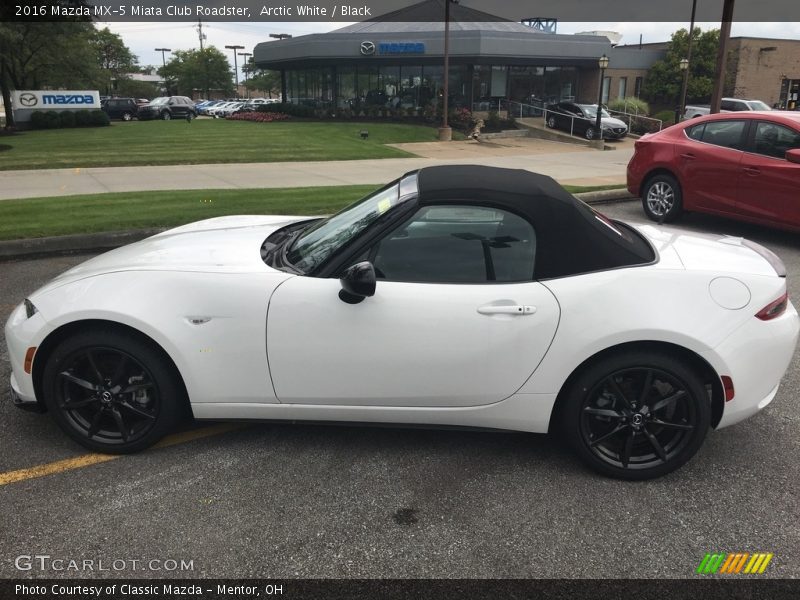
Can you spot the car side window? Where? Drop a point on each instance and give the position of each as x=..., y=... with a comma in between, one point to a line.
x=696, y=132
x=728, y=134
x=457, y=244
x=774, y=140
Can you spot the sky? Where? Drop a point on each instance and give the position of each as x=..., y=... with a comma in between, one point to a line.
x=142, y=38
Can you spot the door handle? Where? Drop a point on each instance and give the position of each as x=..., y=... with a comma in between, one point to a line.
x=752, y=170
x=507, y=309
x=688, y=155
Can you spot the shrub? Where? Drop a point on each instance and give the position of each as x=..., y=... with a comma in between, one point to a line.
x=294, y=110
x=38, y=120
x=668, y=116
x=66, y=118
x=99, y=118
x=461, y=118
x=631, y=105
x=493, y=120
x=52, y=120
x=82, y=118
x=258, y=117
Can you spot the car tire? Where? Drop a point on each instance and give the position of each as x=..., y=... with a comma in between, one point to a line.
x=85, y=381
x=551, y=122
x=589, y=133
x=636, y=415
x=190, y=116
x=126, y=116
x=662, y=198
x=166, y=116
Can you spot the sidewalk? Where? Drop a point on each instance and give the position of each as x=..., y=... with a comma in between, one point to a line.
x=566, y=163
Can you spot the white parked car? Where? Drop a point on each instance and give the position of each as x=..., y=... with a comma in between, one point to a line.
x=726, y=105
x=455, y=296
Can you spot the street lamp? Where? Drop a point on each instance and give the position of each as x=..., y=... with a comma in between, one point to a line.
x=684, y=67
x=245, y=69
x=602, y=62
x=235, y=65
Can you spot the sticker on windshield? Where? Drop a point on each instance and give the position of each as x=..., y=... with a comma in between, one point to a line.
x=384, y=205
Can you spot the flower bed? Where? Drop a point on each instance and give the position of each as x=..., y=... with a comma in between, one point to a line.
x=258, y=117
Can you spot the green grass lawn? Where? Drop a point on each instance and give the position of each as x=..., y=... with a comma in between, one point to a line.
x=63, y=215
x=204, y=141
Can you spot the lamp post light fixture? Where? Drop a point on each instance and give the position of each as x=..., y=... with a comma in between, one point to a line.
x=235, y=66
x=245, y=68
x=602, y=62
x=684, y=67
x=280, y=36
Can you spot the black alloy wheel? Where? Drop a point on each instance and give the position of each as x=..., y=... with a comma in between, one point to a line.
x=111, y=392
x=637, y=416
x=166, y=116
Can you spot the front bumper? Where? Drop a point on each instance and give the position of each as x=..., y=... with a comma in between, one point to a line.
x=21, y=401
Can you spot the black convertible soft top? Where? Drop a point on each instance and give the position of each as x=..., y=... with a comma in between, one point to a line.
x=571, y=238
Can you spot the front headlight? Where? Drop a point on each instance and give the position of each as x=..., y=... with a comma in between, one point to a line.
x=30, y=309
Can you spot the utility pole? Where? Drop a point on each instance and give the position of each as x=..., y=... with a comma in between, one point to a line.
x=164, y=65
x=722, y=55
x=202, y=37
x=235, y=66
x=685, y=84
x=445, y=133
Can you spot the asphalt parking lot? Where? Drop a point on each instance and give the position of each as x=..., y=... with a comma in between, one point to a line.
x=315, y=501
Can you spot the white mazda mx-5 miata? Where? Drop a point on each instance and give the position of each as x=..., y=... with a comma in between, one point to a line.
x=455, y=296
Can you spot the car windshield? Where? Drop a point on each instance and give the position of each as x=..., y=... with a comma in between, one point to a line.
x=757, y=105
x=160, y=100
x=591, y=111
x=315, y=245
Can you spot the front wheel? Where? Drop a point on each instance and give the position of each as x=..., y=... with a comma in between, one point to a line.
x=551, y=122
x=662, y=199
x=636, y=415
x=589, y=133
x=166, y=116
x=111, y=392
x=126, y=116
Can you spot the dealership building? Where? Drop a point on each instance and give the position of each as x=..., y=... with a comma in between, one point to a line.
x=399, y=63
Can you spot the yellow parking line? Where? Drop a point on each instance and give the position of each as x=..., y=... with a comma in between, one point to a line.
x=87, y=460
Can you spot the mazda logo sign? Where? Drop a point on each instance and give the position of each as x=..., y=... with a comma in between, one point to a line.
x=367, y=48
x=28, y=99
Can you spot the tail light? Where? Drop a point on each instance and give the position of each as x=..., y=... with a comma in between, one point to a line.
x=774, y=309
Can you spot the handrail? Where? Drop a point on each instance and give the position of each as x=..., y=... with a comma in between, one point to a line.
x=636, y=116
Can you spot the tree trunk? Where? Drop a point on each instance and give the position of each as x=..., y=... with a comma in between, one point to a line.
x=6, y=98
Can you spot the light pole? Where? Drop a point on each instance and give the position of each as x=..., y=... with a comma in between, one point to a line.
x=602, y=62
x=164, y=65
x=235, y=66
x=245, y=69
x=445, y=133
x=688, y=59
x=280, y=36
x=684, y=67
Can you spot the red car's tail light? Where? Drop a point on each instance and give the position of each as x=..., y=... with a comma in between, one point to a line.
x=774, y=309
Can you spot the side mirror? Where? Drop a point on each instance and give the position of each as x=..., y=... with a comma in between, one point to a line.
x=358, y=282
x=793, y=156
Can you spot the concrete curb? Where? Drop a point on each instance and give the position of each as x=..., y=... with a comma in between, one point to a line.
x=97, y=242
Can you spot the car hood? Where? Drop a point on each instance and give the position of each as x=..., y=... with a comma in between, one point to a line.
x=613, y=122
x=220, y=245
x=712, y=252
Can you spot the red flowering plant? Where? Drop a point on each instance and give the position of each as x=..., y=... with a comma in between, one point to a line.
x=258, y=117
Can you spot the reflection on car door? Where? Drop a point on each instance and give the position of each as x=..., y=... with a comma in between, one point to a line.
x=769, y=185
x=709, y=164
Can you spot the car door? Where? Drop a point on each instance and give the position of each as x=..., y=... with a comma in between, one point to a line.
x=769, y=185
x=709, y=164
x=456, y=319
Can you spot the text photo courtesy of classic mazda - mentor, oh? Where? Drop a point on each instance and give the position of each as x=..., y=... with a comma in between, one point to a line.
x=454, y=296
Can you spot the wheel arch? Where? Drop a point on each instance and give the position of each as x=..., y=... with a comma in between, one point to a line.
x=55, y=337
x=654, y=173
x=705, y=371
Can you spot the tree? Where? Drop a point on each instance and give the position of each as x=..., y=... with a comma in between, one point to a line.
x=663, y=82
x=206, y=69
x=42, y=54
x=114, y=58
x=265, y=80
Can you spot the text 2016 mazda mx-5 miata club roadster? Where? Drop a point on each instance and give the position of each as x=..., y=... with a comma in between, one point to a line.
x=455, y=296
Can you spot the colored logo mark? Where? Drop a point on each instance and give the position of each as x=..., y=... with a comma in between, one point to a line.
x=734, y=562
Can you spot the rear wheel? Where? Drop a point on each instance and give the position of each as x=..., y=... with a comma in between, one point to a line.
x=126, y=116
x=166, y=116
x=551, y=122
x=636, y=415
x=111, y=392
x=662, y=199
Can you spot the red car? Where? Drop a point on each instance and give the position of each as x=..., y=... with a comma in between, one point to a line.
x=745, y=166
